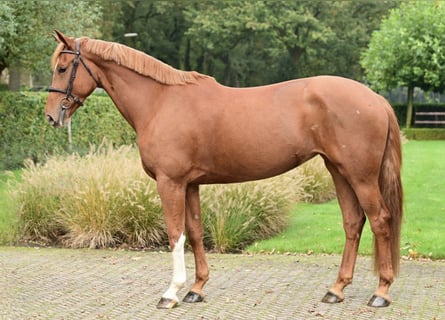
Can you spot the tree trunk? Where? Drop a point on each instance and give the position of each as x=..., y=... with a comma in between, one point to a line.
x=14, y=78
x=295, y=54
x=409, y=111
x=187, y=64
x=227, y=69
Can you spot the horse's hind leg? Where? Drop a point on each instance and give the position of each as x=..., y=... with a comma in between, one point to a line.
x=379, y=217
x=353, y=221
x=194, y=229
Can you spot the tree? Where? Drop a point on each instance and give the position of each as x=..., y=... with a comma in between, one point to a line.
x=409, y=50
x=352, y=23
x=7, y=26
x=159, y=27
x=289, y=39
x=231, y=39
x=26, y=28
x=244, y=43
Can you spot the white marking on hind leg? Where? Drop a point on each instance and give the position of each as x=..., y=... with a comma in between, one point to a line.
x=179, y=276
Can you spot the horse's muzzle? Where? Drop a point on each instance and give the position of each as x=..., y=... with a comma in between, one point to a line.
x=65, y=104
x=53, y=122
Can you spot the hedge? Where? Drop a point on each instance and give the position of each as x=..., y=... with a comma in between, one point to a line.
x=25, y=133
x=424, y=134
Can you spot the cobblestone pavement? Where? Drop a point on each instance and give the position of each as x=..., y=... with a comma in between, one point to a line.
x=111, y=284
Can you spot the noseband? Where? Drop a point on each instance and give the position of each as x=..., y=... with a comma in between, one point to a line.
x=68, y=91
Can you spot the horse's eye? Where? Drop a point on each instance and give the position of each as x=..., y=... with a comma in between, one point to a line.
x=62, y=70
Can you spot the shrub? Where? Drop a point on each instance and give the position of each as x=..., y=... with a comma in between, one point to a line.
x=235, y=215
x=105, y=199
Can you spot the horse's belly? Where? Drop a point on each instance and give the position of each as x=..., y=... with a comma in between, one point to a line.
x=250, y=164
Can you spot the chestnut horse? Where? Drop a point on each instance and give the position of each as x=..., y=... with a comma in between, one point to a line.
x=191, y=130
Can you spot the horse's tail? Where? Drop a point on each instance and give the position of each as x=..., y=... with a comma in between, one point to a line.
x=391, y=187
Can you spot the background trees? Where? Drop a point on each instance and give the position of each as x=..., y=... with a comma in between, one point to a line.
x=245, y=43
x=26, y=28
x=240, y=43
x=409, y=50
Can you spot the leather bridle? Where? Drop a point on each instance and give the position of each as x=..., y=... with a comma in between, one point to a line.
x=65, y=103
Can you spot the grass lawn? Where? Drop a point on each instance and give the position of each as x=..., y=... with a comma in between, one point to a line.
x=318, y=228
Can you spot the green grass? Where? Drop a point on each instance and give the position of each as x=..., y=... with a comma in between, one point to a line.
x=424, y=182
x=8, y=219
x=313, y=228
x=318, y=228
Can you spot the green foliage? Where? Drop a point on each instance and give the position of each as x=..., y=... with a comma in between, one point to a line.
x=25, y=134
x=408, y=50
x=235, y=41
x=26, y=28
x=105, y=199
x=100, y=120
x=244, y=43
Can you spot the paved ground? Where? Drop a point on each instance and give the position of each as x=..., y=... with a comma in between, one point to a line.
x=106, y=284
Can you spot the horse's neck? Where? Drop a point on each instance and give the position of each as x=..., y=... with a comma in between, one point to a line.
x=131, y=93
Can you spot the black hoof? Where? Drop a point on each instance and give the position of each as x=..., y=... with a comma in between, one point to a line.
x=331, y=298
x=166, y=303
x=378, y=302
x=193, y=297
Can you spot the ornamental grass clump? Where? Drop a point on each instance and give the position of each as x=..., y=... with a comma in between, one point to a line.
x=99, y=200
x=238, y=214
x=105, y=199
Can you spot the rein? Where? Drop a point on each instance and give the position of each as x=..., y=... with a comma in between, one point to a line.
x=64, y=103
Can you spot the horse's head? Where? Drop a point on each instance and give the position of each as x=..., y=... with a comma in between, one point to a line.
x=73, y=81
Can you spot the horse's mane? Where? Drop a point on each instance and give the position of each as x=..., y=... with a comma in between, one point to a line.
x=135, y=60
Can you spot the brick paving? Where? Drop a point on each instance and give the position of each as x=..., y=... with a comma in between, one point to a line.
x=114, y=284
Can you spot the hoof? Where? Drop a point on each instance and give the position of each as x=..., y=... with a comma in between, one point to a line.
x=166, y=303
x=193, y=297
x=378, y=302
x=331, y=298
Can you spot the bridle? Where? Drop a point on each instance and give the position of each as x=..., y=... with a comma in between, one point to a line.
x=65, y=102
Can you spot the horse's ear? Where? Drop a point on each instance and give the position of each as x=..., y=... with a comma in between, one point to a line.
x=61, y=38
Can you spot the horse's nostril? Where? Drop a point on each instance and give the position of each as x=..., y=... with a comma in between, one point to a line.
x=50, y=119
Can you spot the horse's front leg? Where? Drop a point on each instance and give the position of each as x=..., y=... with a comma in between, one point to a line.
x=193, y=223
x=173, y=204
